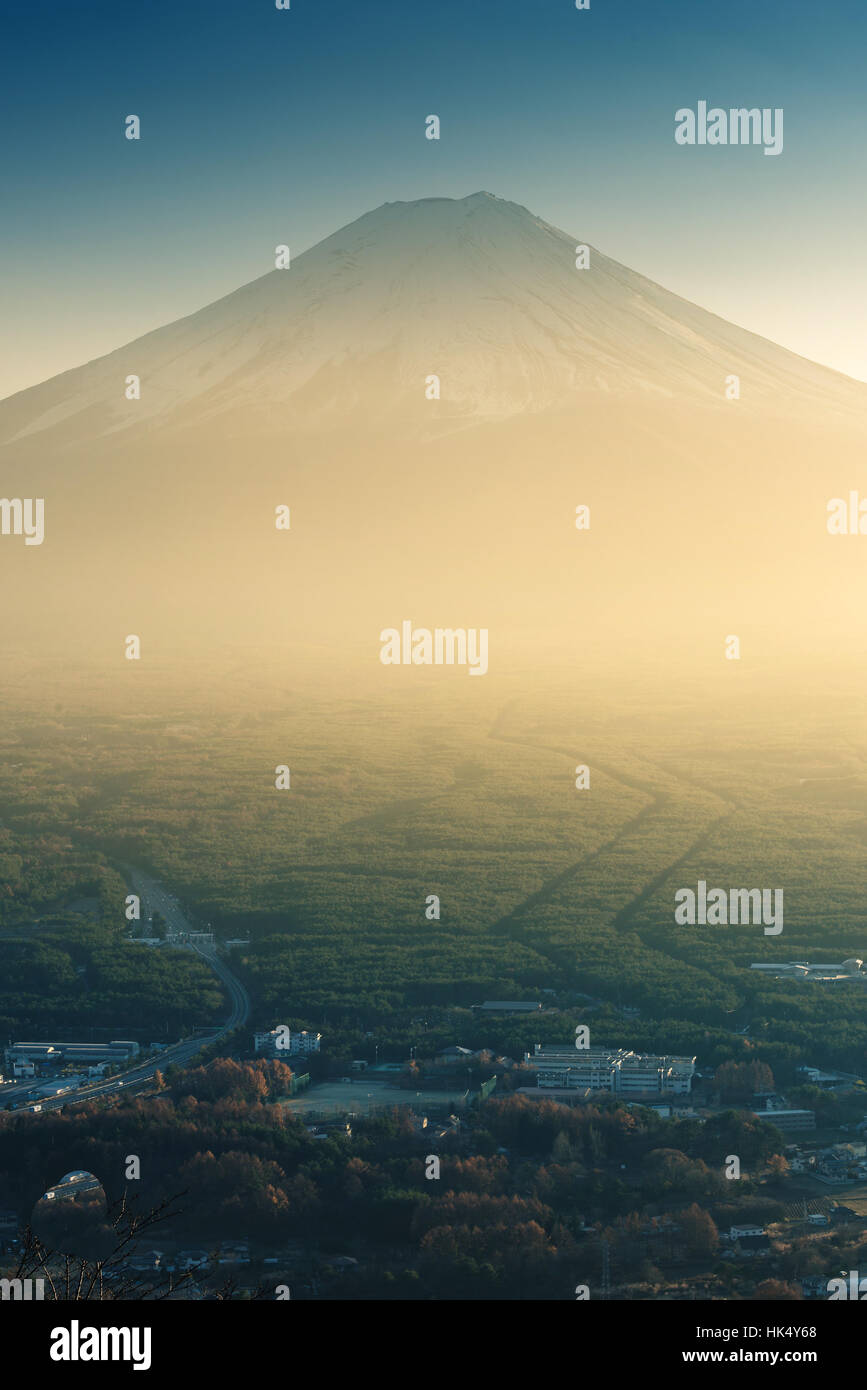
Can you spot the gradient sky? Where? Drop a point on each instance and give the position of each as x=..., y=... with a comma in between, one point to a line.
x=262, y=126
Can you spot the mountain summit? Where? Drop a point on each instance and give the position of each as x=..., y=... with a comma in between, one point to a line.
x=312, y=390
x=476, y=291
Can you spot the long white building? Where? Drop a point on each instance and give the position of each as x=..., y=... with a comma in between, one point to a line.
x=282, y=1042
x=617, y=1071
x=824, y=971
x=24, y=1054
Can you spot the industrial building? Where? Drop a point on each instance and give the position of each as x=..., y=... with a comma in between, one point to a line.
x=821, y=971
x=24, y=1055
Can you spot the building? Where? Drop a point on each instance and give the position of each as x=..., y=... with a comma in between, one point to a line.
x=192, y=1259
x=282, y=1042
x=789, y=1121
x=800, y=1162
x=273, y=1043
x=823, y=971
x=510, y=1006
x=827, y=1079
x=618, y=1071
x=681, y=1112
x=57, y=1088
x=754, y=1245
x=55, y=1053
x=78, y=1183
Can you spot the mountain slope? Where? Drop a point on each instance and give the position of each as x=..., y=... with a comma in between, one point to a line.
x=560, y=387
x=475, y=290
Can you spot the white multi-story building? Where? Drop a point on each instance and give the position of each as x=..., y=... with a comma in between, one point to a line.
x=618, y=1071
x=282, y=1042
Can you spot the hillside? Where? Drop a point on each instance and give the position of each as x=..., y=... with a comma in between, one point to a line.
x=559, y=387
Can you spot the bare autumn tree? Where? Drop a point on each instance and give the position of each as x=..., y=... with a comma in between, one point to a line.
x=778, y=1165
x=699, y=1231
x=74, y=1278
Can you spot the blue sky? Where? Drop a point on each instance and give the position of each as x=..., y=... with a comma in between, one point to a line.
x=262, y=126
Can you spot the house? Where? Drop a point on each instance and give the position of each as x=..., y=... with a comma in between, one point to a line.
x=851, y=1150
x=147, y=1262
x=192, y=1259
x=745, y=1232
x=800, y=1162
x=235, y=1252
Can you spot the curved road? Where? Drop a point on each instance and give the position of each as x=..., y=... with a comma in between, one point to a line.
x=178, y=1054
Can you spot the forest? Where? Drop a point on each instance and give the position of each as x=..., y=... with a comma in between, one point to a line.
x=544, y=892
x=526, y=1189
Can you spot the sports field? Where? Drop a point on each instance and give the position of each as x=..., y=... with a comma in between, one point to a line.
x=363, y=1097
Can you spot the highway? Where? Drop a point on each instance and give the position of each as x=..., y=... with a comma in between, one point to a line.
x=140, y=1076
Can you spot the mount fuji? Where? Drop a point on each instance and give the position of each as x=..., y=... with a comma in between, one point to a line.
x=476, y=291
x=559, y=387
